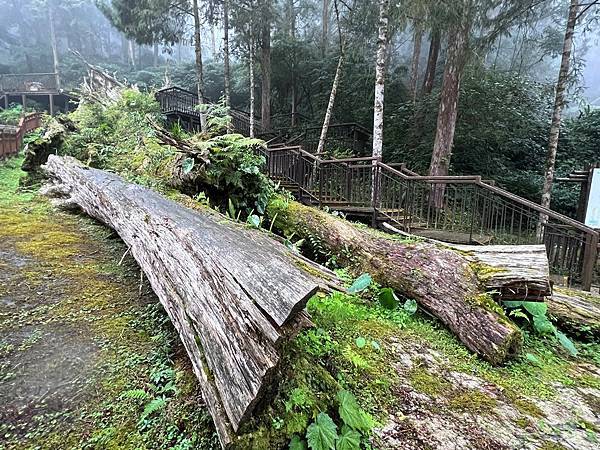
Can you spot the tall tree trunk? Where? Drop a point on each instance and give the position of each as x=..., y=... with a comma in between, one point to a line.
x=414, y=67
x=155, y=55
x=292, y=31
x=251, y=65
x=380, y=69
x=53, y=42
x=329, y=111
x=325, y=32
x=124, y=49
x=434, y=52
x=199, y=71
x=458, y=42
x=226, y=69
x=334, y=87
x=266, y=74
x=131, y=54
x=213, y=42
x=559, y=102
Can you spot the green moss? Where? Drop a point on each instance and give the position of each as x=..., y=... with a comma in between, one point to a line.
x=550, y=445
x=472, y=401
x=484, y=271
x=424, y=381
x=528, y=407
x=523, y=422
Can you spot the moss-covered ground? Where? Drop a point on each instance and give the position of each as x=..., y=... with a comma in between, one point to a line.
x=84, y=351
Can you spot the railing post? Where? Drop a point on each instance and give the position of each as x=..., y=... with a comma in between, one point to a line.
x=376, y=188
x=589, y=260
x=473, y=214
x=320, y=169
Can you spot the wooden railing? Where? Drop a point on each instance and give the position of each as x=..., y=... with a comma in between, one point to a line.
x=460, y=205
x=11, y=137
x=29, y=82
x=470, y=207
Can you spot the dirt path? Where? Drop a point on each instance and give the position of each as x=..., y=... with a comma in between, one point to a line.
x=82, y=353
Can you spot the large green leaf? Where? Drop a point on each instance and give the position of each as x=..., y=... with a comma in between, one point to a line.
x=351, y=413
x=349, y=439
x=361, y=283
x=542, y=325
x=566, y=343
x=536, y=308
x=187, y=165
x=410, y=306
x=297, y=443
x=388, y=299
x=322, y=433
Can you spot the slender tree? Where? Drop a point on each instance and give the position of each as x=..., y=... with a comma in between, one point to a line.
x=559, y=102
x=50, y=5
x=226, y=67
x=252, y=87
x=336, y=82
x=265, y=64
x=414, y=67
x=380, y=69
x=325, y=28
x=199, y=69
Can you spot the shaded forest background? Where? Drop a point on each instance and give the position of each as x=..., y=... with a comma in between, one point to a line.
x=506, y=93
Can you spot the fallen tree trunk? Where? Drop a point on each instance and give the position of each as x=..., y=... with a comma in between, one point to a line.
x=576, y=312
x=234, y=294
x=511, y=272
x=445, y=282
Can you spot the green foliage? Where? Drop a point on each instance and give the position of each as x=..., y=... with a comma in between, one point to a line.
x=388, y=299
x=322, y=433
x=410, y=306
x=351, y=413
x=541, y=323
x=360, y=284
x=153, y=406
x=297, y=444
x=349, y=439
x=11, y=115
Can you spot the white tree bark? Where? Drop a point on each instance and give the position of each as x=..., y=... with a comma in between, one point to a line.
x=227, y=80
x=380, y=69
x=199, y=70
x=559, y=102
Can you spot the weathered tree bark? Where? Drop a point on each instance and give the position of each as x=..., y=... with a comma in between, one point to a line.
x=432, y=58
x=447, y=283
x=414, y=67
x=265, y=66
x=458, y=42
x=199, y=68
x=226, y=66
x=234, y=294
x=559, y=102
x=434, y=52
x=576, y=312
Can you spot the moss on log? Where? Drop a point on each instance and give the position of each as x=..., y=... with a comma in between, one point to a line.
x=442, y=280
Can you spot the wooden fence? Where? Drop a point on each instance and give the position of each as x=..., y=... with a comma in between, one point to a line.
x=11, y=137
